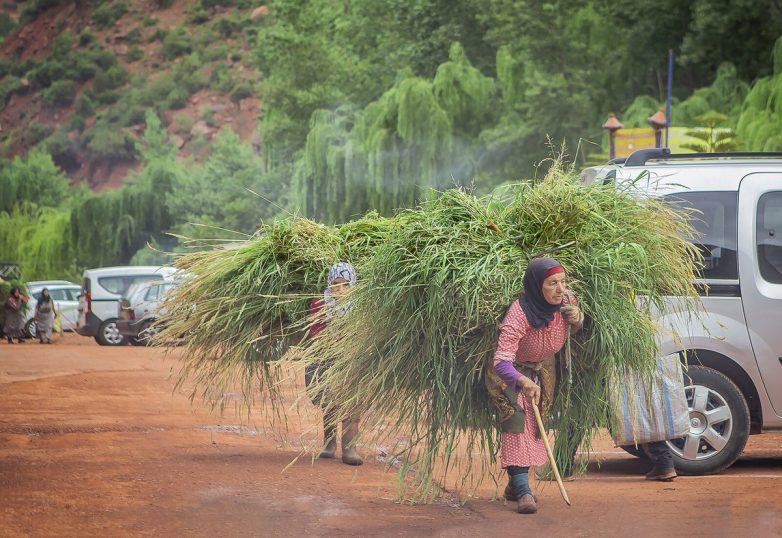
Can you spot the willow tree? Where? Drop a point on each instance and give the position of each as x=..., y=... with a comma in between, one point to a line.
x=760, y=125
x=419, y=137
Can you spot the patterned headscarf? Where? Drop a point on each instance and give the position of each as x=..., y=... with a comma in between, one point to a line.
x=538, y=310
x=333, y=307
x=342, y=270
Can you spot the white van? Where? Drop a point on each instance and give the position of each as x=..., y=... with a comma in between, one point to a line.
x=734, y=350
x=100, y=294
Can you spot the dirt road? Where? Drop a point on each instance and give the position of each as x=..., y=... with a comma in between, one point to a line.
x=93, y=442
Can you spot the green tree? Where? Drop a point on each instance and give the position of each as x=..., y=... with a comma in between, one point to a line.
x=711, y=140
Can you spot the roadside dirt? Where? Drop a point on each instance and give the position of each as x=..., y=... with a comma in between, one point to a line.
x=94, y=442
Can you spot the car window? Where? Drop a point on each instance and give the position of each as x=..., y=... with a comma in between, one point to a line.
x=37, y=295
x=152, y=293
x=713, y=216
x=768, y=234
x=112, y=284
x=58, y=295
x=73, y=294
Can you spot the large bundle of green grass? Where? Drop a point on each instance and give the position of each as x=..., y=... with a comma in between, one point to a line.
x=244, y=304
x=425, y=317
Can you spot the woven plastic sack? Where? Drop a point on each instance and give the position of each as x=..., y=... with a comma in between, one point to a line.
x=645, y=409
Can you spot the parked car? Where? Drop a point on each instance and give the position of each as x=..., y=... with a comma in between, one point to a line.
x=140, y=308
x=734, y=351
x=66, y=303
x=100, y=294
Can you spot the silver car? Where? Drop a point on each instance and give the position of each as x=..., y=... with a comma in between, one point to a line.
x=66, y=303
x=734, y=351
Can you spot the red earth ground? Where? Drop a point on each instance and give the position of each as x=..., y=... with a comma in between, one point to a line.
x=94, y=441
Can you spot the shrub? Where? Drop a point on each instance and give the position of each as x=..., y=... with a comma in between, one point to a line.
x=157, y=91
x=176, y=43
x=226, y=26
x=62, y=45
x=184, y=122
x=86, y=38
x=135, y=54
x=83, y=69
x=177, y=99
x=163, y=4
x=209, y=117
x=109, y=145
x=243, y=91
x=235, y=57
x=148, y=21
x=110, y=80
x=134, y=36
x=60, y=93
x=37, y=132
x=7, y=24
x=221, y=79
x=8, y=86
x=218, y=51
x=107, y=98
x=103, y=58
x=44, y=74
x=159, y=35
x=198, y=15
x=85, y=106
x=75, y=122
x=64, y=151
x=108, y=13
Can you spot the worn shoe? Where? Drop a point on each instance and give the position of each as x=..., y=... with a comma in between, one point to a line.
x=330, y=436
x=527, y=504
x=662, y=474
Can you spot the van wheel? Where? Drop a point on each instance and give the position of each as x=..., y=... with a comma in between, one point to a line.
x=108, y=334
x=719, y=423
x=31, y=329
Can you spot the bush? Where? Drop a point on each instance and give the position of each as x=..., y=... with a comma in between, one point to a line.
x=110, y=80
x=198, y=15
x=37, y=132
x=44, y=74
x=226, y=26
x=85, y=106
x=75, y=122
x=157, y=91
x=7, y=24
x=86, y=38
x=109, y=145
x=184, y=122
x=159, y=35
x=64, y=151
x=218, y=51
x=221, y=79
x=163, y=4
x=60, y=93
x=107, y=98
x=243, y=91
x=8, y=86
x=134, y=36
x=177, y=99
x=209, y=117
x=62, y=45
x=83, y=69
x=108, y=14
x=176, y=43
x=135, y=54
x=103, y=58
x=148, y=21
x=235, y=57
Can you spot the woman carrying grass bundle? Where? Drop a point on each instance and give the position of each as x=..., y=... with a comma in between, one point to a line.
x=534, y=329
x=14, y=322
x=342, y=276
x=44, y=317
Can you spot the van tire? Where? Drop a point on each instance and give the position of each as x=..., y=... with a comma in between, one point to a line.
x=108, y=335
x=731, y=430
x=31, y=329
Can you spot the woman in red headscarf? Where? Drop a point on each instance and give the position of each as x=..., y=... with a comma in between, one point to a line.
x=534, y=329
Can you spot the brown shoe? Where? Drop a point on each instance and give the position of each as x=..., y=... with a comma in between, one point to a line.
x=661, y=474
x=349, y=434
x=527, y=504
x=509, y=494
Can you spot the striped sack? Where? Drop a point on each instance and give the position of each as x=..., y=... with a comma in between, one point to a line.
x=647, y=409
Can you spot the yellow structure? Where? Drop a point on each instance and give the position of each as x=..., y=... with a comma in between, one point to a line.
x=629, y=140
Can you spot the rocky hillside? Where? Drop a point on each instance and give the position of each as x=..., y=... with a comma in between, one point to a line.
x=76, y=78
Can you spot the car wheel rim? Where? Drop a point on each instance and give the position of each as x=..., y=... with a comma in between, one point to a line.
x=33, y=330
x=111, y=334
x=711, y=423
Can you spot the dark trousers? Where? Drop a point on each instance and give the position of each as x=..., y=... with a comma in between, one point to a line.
x=660, y=454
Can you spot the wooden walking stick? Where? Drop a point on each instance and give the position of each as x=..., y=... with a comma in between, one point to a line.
x=550, y=453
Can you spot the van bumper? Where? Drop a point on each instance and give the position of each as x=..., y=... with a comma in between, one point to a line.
x=90, y=328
